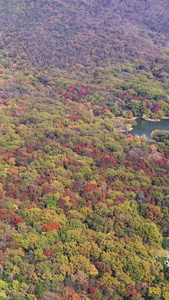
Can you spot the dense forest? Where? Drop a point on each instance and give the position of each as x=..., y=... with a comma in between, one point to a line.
x=84, y=207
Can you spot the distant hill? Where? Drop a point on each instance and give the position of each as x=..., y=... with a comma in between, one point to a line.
x=59, y=32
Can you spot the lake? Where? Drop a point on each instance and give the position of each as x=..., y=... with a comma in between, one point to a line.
x=146, y=127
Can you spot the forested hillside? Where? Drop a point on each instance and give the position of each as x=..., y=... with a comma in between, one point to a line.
x=55, y=33
x=84, y=208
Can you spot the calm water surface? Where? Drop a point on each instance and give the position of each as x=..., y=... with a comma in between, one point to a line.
x=146, y=127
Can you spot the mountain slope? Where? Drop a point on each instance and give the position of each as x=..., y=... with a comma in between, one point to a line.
x=55, y=33
x=84, y=208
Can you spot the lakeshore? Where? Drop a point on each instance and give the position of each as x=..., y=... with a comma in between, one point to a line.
x=146, y=127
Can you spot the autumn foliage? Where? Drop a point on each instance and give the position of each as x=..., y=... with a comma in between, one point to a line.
x=84, y=206
x=51, y=226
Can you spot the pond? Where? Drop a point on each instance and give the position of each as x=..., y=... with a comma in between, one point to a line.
x=146, y=127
